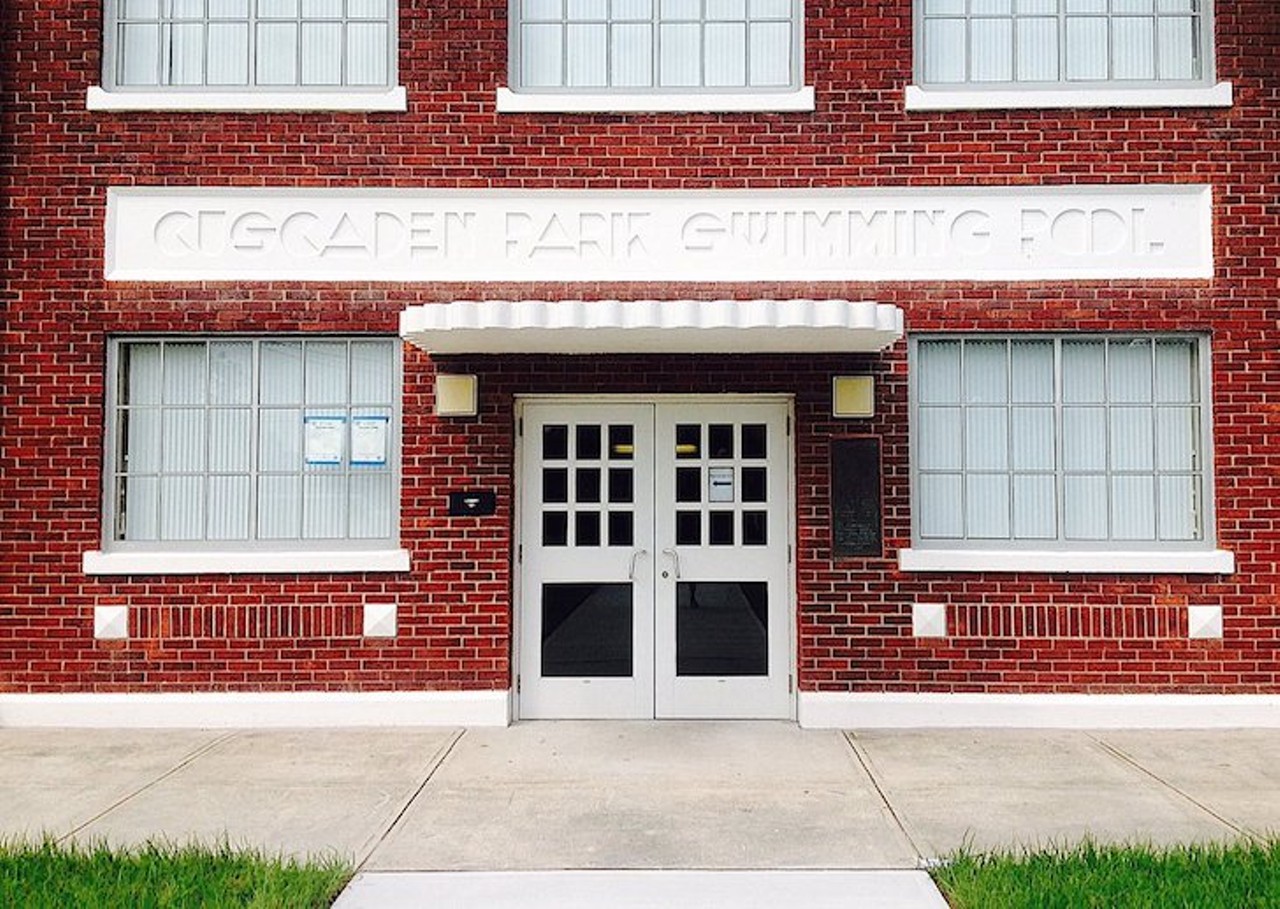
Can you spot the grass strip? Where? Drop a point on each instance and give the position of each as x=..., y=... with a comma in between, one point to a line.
x=156, y=875
x=1243, y=875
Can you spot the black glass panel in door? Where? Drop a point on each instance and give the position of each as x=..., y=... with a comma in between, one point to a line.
x=755, y=441
x=622, y=442
x=688, y=440
x=720, y=440
x=555, y=443
x=722, y=628
x=586, y=630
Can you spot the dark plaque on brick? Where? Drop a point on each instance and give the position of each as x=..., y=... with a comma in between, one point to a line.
x=855, y=497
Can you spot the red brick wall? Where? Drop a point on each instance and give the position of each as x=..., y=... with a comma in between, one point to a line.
x=1014, y=632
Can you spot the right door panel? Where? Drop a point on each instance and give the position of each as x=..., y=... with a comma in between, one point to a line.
x=722, y=616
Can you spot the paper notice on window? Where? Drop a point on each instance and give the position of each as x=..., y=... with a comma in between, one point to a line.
x=369, y=441
x=324, y=440
x=720, y=484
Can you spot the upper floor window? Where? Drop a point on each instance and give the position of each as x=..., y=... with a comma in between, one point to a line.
x=1063, y=43
x=250, y=45
x=657, y=46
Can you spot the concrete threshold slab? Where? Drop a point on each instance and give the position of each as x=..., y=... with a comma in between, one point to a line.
x=879, y=889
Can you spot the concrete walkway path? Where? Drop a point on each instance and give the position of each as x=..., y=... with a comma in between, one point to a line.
x=642, y=806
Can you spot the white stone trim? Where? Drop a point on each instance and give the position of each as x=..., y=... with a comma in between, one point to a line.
x=392, y=99
x=1204, y=623
x=926, y=99
x=509, y=102
x=928, y=620
x=248, y=562
x=1217, y=561
x=847, y=710
x=257, y=710
x=110, y=623
x=379, y=620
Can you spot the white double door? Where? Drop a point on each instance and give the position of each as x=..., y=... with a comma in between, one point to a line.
x=654, y=560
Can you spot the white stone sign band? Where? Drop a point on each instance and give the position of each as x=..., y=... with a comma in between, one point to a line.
x=977, y=234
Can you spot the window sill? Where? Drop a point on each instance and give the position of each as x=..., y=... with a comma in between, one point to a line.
x=925, y=99
x=260, y=562
x=705, y=102
x=394, y=99
x=1217, y=561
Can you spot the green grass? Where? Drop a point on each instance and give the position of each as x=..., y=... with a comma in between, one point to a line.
x=155, y=875
x=1244, y=875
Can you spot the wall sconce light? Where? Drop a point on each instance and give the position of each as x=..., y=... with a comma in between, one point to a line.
x=853, y=396
x=457, y=396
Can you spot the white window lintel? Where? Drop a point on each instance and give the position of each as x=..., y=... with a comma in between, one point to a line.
x=392, y=99
x=247, y=562
x=939, y=99
x=509, y=101
x=1212, y=561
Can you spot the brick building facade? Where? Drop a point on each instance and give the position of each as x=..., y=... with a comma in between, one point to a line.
x=228, y=460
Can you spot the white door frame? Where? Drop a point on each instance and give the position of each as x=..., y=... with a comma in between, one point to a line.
x=517, y=572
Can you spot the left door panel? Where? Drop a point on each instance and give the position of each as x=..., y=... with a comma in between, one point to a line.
x=586, y=575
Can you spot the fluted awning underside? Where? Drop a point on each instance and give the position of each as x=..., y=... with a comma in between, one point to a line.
x=652, y=326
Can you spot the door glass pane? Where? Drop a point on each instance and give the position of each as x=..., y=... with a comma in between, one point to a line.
x=689, y=484
x=586, y=526
x=555, y=484
x=555, y=528
x=721, y=528
x=722, y=628
x=689, y=528
x=622, y=442
x=755, y=528
x=586, y=630
x=720, y=440
x=587, y=484
x=688, y=440
x=621, y=485
x=555, y=443
x=588, y=437
x=755, y=441
x=621, y=528
x=754, y=484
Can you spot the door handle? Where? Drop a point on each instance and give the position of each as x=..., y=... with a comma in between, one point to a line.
x=675, y=558
x=631, y=573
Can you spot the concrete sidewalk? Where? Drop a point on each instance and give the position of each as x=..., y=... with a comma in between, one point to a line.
x=615, y=798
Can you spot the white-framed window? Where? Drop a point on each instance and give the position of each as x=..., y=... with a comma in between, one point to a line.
x=252, y=443
x=1088, y=53
x=250, y=44
x=1066, y=442
x=656, y=47
x=249, y=55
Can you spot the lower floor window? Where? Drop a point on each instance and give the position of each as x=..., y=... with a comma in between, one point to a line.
x=253, y=441
x=1060, y=442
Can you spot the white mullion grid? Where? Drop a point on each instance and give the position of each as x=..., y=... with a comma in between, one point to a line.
x=297, y=66
x=346, y=444
x=1010, y=485
x=207, y=462
x=964, y=443
x=255, y=437
x=1156, y=472
x=158, y=498
x=1108, y=467
x=702, y=83
x=1059, y=446
x=300, y=470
